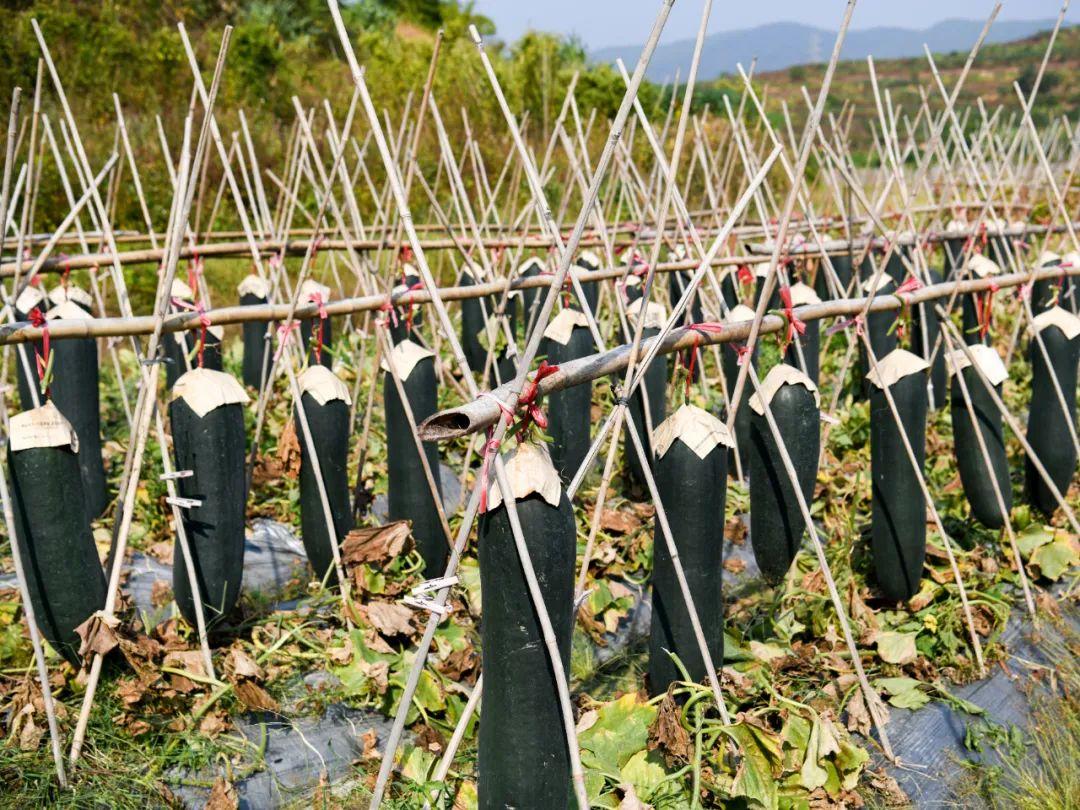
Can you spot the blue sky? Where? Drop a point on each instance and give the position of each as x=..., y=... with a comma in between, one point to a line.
x=601, y=23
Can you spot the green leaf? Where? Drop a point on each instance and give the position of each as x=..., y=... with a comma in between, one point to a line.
x=850, y=760
x=417, y=764
x=812, y=775
x=643, y=772
x=620, y=731
x=429, y=694
x=1032, y=537
x=914, y=699
x=755, y=778
x=894, y=686
x=1054, y=559
x=766, y=652
x=906, y=693
x=896, y=648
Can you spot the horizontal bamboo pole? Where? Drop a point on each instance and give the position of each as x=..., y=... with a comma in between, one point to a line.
x=59, y=329
x=219, y=250
x=481, y=413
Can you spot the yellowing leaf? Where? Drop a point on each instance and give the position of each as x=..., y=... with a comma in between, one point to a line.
x=896, y=648
x=1054, y=559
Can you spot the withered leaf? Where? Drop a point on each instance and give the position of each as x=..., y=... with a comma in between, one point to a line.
x=388, y=618
x=98, y=634
x=734, y=565
x=254, y=697
x=370, y=741
x=267, y=470
x=735, y=531
x=239, y=665
x=461, y=665
x=160, y=593
x=858, y=718
x=667, y=733
x=162, y=551
x=377, y=545
x=288, y=450
x=630, y=800
x=130, y=690
x=141, y=652
x=430, y=740
x=620, y=521
x=212, y=725
x=222, y=797
x=189, y=661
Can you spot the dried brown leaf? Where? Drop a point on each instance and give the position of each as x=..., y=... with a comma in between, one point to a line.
x=254, y=697
x=630, y=800
x=267, y=470
x=858, y=718
x=378, y=545
x=430, y=740
x=735, y=531
x=620, y=521
x=222, y=797
x=238, y=664
x=667, y=733
x=98, y=634
x=388, y=618
x=370, y=741
x=461, y=666
x=160, y=593
x=162, y=551
x=30, y=733
x=141, y=652
x=212, y=725
x=734, y=565
x=288, y=450
x=189, y=661
x=130, y=690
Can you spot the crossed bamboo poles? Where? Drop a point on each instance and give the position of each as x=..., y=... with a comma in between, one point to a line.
x=633, y=190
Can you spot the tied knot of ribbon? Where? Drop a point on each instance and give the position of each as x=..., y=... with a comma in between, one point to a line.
x=204, y=321
x=195, y=270
x=795, y=326
x=405, y=254
x=41, y=358
x=710, y=327
x=857, y=322
x=319, y=301
x=491, y=447
x=284, y=332
x=744, y=275
x=65, y=275
x=984, y=309
x=416, y=285
x=316, y=245
x=910, y=285
x=387, y=306
x=531, y=412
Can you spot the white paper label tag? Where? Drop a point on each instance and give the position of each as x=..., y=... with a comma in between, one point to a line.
x=434, y=585
x=172, y=476
x=428, y=604
x=184, y=503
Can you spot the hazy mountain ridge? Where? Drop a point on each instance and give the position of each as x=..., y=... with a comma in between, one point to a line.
x=781, y=45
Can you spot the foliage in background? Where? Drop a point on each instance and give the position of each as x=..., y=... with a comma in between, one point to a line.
x=279, y=49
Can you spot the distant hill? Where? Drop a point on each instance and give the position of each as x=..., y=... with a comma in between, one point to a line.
x=991, y=79
x=782, y=45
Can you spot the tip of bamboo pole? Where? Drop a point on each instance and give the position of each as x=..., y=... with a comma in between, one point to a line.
x=445, y=425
